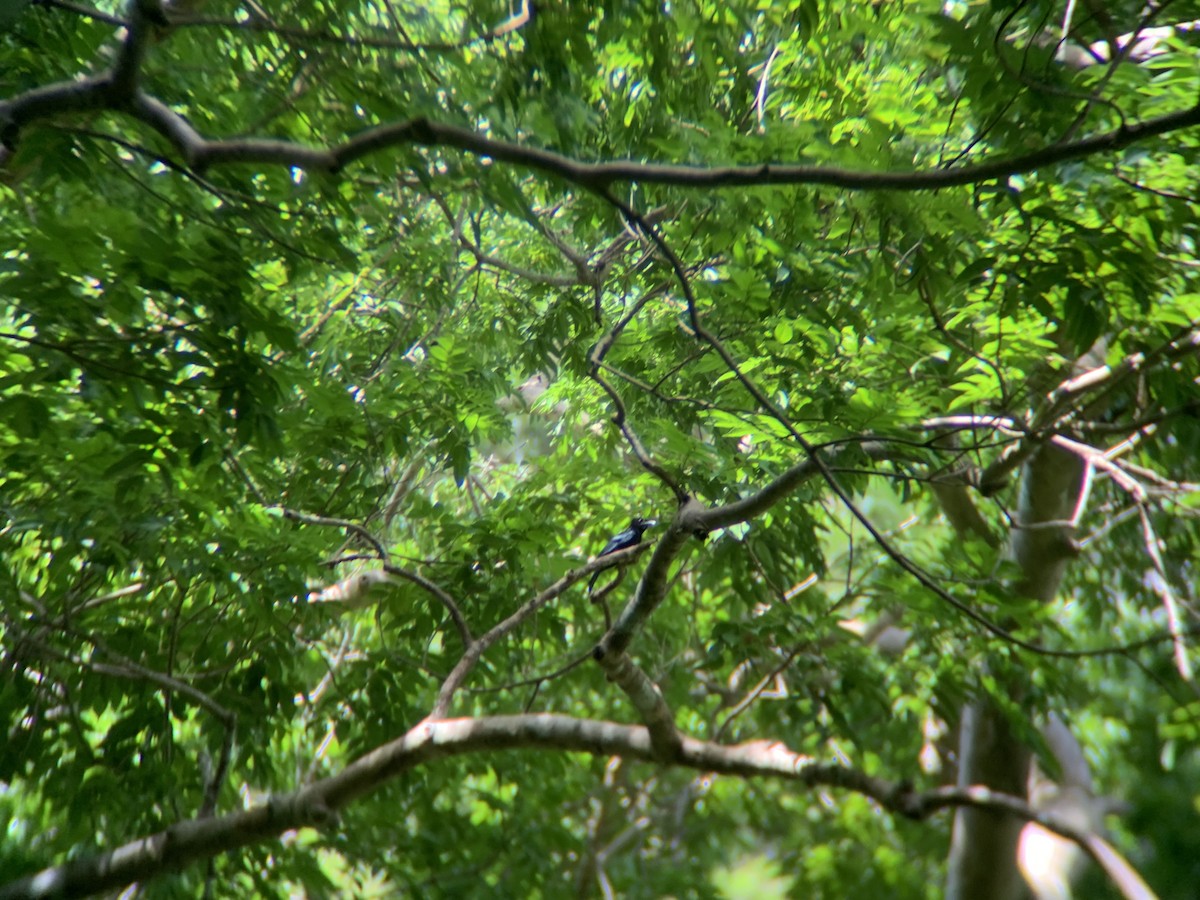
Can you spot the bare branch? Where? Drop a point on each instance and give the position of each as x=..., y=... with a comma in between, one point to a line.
x=620, y=419
x=317, y=804
x=62, y=97
x=785, y=485
x=648, y=700
x=599, y=176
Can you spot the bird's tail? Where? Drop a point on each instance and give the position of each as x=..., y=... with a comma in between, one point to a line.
x=592, y=583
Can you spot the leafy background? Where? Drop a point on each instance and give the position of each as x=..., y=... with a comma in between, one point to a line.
x=186, y=354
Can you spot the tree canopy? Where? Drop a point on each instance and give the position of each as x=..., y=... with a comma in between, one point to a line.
x=336, y=338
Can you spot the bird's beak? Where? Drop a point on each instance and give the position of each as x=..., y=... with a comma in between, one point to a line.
x=650, y=523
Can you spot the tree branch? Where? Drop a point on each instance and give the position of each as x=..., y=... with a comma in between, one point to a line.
x=476, y=650
x=648, y=700
x=452, y=607
x=55, y=99
x=317, y=804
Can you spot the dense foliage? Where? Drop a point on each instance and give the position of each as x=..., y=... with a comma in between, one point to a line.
x=271, y=422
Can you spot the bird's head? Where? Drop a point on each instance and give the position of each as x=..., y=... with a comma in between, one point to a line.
x=638, y=524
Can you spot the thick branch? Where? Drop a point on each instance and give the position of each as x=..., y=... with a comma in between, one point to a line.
x=317, y=804
x=648, y=700
x=977, y=797
x=599, y=176
x=63, y=97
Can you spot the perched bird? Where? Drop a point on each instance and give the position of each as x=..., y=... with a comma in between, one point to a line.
x=630, y=537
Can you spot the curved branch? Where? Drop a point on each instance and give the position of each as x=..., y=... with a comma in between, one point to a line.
x=476, y=650
x=55, y=99
x=1104, y=854
x=452, y=607
x=317, y=804
x=762, y=500
x=599, y=176
x=596, y=360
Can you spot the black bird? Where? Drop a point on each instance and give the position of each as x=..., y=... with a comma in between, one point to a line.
x=630, y=537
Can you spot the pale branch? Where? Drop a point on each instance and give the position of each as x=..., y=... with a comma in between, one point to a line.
x=648, y=700
x=967, y=422
x=1162, y=585
x=475, y=651
x=316, y=805
x=93, y=603
x=1064, y=398
x=1064, y=403
x=311, y=698
x=1105, y=460
x=1123, y=876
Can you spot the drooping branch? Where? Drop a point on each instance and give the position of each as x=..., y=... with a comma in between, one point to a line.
x=620, y=416
x=976, y=797
x=352, y=527
x=442, y=596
